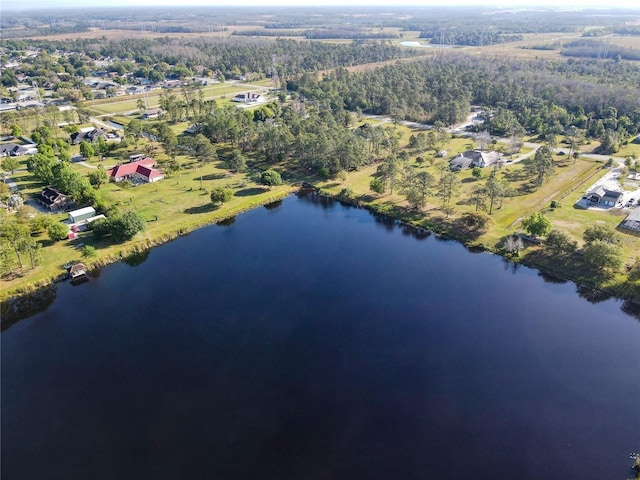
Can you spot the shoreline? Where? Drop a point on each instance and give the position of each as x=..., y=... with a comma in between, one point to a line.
x=442, y=232
x=135, y=247
x=11, y=299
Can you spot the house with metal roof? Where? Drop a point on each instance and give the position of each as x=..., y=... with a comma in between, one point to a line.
x=141, y=170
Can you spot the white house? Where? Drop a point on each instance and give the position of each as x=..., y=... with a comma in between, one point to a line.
x=249, y=97
x=475, y=158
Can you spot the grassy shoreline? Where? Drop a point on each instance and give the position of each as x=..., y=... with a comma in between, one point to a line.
x=144, y=241
x=537, y=260
x=403, y=216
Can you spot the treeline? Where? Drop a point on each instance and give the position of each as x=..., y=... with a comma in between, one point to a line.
x=269, y=33
x=344, y=33
x=599, y=49
x=42, y=31
x=418, y=91
x=466, y=37
x=622, y=30
x=230, y=58
x=540, y=97
x=317, y=34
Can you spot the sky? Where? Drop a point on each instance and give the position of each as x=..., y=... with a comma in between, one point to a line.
x=29, y=4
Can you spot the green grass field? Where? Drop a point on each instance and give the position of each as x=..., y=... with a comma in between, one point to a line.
x=126, y=104
x=171, y=207
x=566, y=186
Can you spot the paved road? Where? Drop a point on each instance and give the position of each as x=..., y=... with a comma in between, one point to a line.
x=11, y=184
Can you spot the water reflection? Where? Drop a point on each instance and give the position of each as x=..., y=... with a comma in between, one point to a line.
x=548, y=278
x=16, y=309
x=592, y=295
x=273, y=205
x=137, y=258
x=510, y=266
x=79, y=280
x=631, y=308
x=227, y=222
x=385, y=220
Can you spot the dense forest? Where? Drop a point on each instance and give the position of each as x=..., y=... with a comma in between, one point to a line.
x=599, y=49
x=229, y=58
x=598, y=98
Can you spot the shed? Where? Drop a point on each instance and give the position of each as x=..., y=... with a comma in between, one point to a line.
x=81, y=214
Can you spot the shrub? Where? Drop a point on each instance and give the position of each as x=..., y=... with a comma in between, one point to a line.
x=57, y=231
x=271, y=178
x=220, y=195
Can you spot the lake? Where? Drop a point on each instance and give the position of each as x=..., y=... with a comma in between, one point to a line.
x=312, y=340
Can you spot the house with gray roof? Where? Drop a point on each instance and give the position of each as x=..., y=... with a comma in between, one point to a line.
x=90, y=135
x=475, y=158
x=603, y=197
x=16, y=150
x=632, y=222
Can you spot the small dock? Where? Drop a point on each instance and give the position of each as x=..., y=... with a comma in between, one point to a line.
x=77, y=270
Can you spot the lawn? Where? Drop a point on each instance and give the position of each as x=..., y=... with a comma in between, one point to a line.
x=571, y=179
x=174, y=206
x=129, y=103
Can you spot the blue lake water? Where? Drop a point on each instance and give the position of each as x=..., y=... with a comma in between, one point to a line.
x=311, y=340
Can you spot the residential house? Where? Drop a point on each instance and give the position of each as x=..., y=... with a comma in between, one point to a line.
x=30, y=104
x=204, y=81
x=476, y=158
x=53, y=199
x=133, y=90
x=172, y=83
x=89, y=134
x=101, y=85
x=15, y=150
x=632, y=222
x=138, y=171
x=6, y=149
x=459, y=163
x=603, y=197
x=7, y=104
x=152, y=113
x=249, y=97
